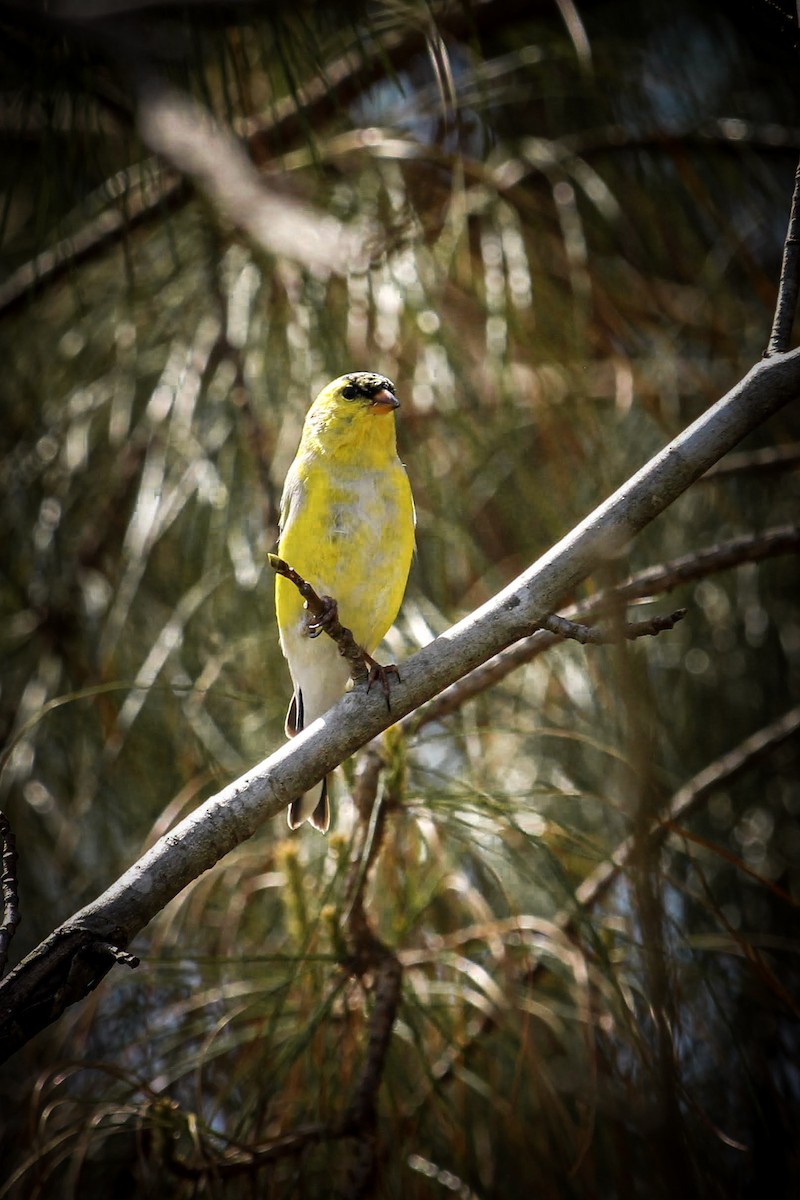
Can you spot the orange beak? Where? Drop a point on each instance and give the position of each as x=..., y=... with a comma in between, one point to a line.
x=384, y=402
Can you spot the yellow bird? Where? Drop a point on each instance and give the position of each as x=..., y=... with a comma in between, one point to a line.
x=347, y=526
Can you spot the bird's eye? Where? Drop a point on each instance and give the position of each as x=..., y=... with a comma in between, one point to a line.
x=349, y=392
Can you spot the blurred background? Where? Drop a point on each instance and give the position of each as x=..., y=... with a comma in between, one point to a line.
x=558, y=228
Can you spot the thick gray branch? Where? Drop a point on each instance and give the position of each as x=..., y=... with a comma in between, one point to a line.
x=236, y=812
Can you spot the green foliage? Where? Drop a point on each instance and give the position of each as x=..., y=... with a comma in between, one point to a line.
x=569, y=258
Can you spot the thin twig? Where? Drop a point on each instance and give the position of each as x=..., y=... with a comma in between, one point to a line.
x=236, y=1159
x=8, y=889
x=686, y=800
x=598, y=635
x=371, y=958
x=771, y=458
x=789, y=286
x=369, y=826
x=320, y=611
x=145, y=194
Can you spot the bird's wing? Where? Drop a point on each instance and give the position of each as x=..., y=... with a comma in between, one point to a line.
x=291, y=497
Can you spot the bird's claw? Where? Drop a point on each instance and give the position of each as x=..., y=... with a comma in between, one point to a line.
x=328, y=617
x=378, y=672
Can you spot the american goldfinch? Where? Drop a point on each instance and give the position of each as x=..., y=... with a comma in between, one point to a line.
x=347, y=526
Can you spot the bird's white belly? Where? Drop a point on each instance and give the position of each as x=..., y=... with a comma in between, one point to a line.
x=360, y=545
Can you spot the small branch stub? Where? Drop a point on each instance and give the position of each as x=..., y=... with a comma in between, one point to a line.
x=601, y=636
x=325, y=619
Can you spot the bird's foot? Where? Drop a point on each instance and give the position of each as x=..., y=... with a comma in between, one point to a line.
x=378, y=672
x=327, y=618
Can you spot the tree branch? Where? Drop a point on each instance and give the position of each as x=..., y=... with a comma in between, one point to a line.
x=653, y=581
x=153, y=191
x=789, y=286
x=188, y=137
x=35, y=993
x=685, y=801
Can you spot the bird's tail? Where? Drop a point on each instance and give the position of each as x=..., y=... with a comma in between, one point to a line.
x=313, y=806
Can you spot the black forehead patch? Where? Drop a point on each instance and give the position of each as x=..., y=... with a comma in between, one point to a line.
x=368, y=383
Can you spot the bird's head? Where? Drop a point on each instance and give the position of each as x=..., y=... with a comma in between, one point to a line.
x=342, y=418
x=359, y=392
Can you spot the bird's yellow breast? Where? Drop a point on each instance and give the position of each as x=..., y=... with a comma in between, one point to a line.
x=349, y=530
